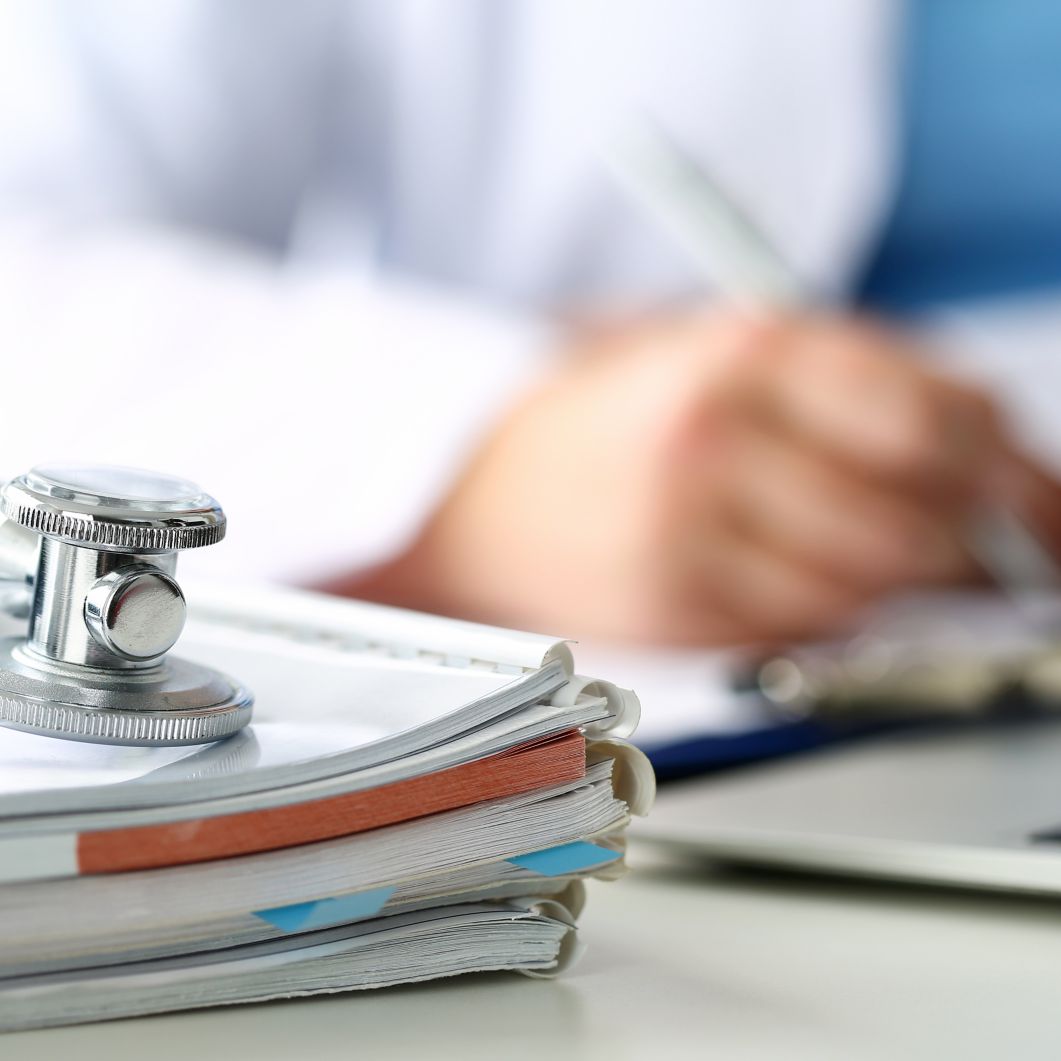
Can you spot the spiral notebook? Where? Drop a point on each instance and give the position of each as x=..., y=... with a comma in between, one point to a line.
x=414, y=798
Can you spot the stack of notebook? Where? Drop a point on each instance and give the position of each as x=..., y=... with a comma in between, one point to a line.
x=416, y=798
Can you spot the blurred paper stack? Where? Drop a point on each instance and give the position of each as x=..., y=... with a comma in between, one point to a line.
x=416, y=798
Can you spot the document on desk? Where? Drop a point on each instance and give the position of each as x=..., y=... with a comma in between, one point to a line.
x=415, y=798
x=956, y=655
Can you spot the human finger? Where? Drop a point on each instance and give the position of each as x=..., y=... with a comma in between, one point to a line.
x=1033, y=493
x=819, y=512
x=761, y=592
x=862, y=396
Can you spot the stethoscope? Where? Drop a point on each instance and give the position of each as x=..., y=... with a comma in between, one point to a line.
x=88, y=555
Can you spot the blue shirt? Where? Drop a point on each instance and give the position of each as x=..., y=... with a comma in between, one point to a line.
x=978, y=204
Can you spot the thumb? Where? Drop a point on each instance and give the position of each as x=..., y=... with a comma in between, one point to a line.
x=1032, y=492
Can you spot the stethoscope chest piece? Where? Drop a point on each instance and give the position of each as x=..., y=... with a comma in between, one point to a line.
x=99, y=547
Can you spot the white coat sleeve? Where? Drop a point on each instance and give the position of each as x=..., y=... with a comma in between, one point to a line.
x=328, y=412
x=327, y=409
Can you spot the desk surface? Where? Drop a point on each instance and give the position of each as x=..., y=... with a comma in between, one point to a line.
x=683, y=962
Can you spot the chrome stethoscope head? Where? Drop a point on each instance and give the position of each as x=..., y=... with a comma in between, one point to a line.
x=88, y=555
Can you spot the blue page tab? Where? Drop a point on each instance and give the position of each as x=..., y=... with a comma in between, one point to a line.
x=567, y=858
x=321, y=913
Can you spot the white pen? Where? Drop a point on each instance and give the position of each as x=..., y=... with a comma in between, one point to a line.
x=733, y=254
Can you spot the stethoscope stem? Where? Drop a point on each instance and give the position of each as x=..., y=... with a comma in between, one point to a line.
x=88, y=560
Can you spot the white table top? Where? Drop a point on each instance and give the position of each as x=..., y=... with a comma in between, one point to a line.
x=683, y=962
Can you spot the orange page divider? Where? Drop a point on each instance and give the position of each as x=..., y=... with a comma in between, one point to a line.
x=523, y=769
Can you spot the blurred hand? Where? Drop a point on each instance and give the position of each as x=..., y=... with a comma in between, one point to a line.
x=714, y=479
